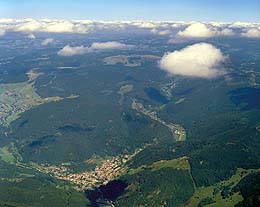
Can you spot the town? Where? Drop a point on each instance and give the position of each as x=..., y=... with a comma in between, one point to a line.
x=107, y=171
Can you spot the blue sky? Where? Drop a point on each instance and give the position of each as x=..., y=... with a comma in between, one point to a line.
x=198, y=10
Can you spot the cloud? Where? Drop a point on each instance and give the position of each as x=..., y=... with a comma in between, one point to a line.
x=179, y=24
x=6, y=21
x=243, y=25
x=226, y=32
x=145, y=25
x=2, y=32
x=109, y=45
x=31, y=36
x=177, y=40
x=50, y=26
x=59, y=27
x=200, y=30
x=47, y=41
x=96, y=46
x=251, y=33
x=197, y=30
x=71, y=51
x=161, y=32
x=28, y=26
x=199, y=60
x=184, y=30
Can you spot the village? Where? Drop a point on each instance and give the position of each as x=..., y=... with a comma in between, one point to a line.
x=107, y=171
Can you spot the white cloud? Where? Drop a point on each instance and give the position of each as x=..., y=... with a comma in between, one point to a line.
x=252, y=33
x=199, y=60
x=184, y=30
x=6, y=21
x=47, y=41
x=51, y=26
x=161, y=32
x=242, y=25
x=226, y=32
x=200, y=30
x=197, y=30
x=2, y=32
x=31, y=36
x=178, y=24
x=145, y=25
x=177, y=40
x=219, y=24
x=28, y=26
x=96, y=46
x=109, y=45
x=59, y=27
x=71, y=51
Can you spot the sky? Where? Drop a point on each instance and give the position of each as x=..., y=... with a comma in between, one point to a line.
x=163, y=10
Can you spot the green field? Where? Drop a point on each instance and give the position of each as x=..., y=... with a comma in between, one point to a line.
x=17, y=98
x=214, y=192
x=6, y=155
